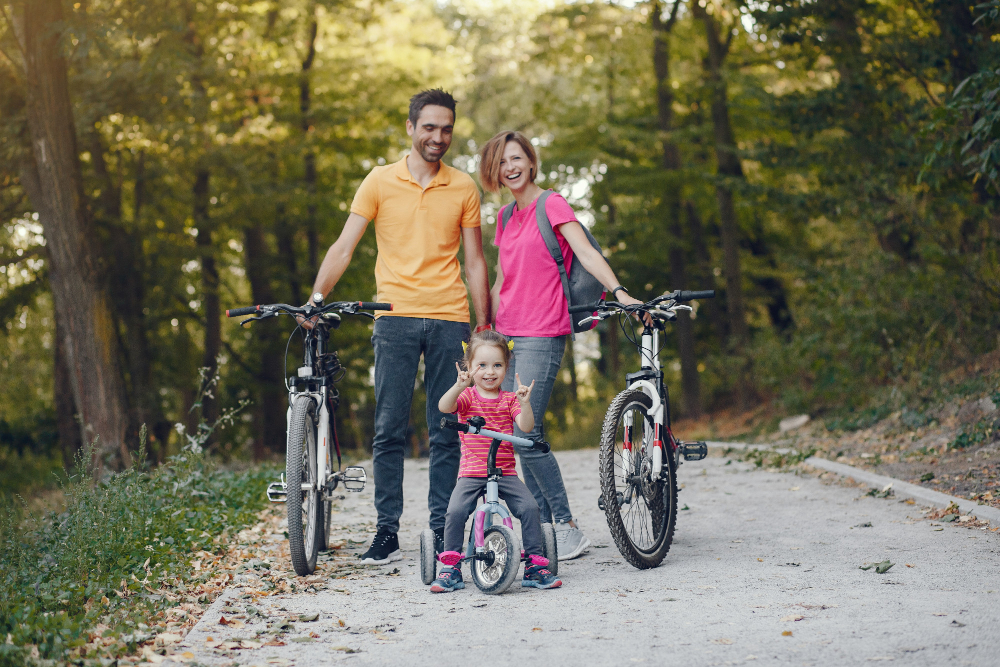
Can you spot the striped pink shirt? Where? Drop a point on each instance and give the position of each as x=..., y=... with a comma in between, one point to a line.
x=499, y=413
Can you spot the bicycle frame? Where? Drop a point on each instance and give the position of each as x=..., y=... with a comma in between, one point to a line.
x=316, y=383
x=650, y=381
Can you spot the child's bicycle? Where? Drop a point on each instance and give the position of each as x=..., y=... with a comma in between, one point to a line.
x=493, y=548
x=639, y=453
x=309, y=481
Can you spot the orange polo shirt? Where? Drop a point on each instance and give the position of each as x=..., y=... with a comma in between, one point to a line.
x=418, y=232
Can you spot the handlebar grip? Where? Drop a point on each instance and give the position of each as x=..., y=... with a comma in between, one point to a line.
x=455, y=426
x=238, y=312
x=373, y=305
x=584, y=308
x=542, y=446
x=701, y=294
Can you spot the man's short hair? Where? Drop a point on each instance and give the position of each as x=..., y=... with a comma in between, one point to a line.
x=436, y=97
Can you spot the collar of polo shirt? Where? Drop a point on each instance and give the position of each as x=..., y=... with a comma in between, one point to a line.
x=443, y=177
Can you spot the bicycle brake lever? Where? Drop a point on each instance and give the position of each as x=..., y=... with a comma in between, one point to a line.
x=264, y=316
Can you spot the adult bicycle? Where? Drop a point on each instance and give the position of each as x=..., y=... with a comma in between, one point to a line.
x=310, y=479
x=639, y=454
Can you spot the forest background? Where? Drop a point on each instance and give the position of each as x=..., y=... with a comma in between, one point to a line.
x=828, y=167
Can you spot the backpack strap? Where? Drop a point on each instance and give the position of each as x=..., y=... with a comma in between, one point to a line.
x=505, y=215
x=552, y=243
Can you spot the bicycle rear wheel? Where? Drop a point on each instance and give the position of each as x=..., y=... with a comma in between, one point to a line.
x=303, y=504
x=641, y=511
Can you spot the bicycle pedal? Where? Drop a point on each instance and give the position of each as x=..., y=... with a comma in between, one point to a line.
x=355, y=478
x=694, y=451
x=276, y=492
x=621, y=501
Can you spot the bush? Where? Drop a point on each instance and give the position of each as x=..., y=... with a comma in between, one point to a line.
x=116, y=551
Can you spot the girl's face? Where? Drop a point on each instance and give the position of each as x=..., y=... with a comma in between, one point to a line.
x=488, y=368
x=515, y=167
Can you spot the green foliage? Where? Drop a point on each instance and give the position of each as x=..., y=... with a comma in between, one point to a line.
x=126, y=538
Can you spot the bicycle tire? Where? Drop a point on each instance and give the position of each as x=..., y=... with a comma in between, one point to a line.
x=657, y=500
x=497, y=578
x=304, y=512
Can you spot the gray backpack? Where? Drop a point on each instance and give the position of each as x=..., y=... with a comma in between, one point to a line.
x=580, y=287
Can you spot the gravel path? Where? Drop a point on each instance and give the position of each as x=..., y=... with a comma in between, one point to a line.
x=764, y=569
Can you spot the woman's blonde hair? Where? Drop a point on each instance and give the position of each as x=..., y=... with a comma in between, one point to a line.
x=487, y=337
x=492, y=153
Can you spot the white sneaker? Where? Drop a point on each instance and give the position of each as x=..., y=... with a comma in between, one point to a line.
x=570, y=541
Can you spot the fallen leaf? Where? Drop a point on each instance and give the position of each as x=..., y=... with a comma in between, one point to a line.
x=230, y=645
x=167, y=638
x=187, y=655
x=866, y=567
x=794, y=488
x=274, y=642
x=723, y=640
x=939, y=613
x=909, y=565
x=786, y=633
x=341, y=622
x=883, y=567
x=308, y=618
x=793, y=617
x=948, y=518
x=760, y=560
x=246, y=643
x=223, y=621
x=956, y=624
x=281, y=662
x=866, y=524
x=536, y=629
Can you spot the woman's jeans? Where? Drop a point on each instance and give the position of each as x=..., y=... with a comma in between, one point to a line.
x=539, y=359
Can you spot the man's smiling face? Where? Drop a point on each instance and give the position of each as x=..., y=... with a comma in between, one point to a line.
x=432, y=133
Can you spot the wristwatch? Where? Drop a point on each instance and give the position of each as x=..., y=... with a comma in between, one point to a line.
x=614, y=292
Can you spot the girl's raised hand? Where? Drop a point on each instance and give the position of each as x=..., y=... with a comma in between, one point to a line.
x=464, y=377
x=523, y=393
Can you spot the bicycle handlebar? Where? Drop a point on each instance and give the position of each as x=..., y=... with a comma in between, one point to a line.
x=308, y=311
x=678, y=296
x=537, y=445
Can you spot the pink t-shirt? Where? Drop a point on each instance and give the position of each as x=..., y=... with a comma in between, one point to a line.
x=499, y=413
x=532, y=302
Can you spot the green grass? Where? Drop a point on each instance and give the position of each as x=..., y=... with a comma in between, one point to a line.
x=116, y=550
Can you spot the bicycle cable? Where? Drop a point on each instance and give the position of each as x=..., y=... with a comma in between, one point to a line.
x=287, y=344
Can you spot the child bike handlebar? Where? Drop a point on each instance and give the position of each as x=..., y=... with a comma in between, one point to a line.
x=476, y=425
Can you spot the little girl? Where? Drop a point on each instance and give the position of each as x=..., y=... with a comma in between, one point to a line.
x=486, y=359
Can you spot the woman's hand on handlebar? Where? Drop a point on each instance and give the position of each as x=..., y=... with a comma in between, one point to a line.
x=627, y=300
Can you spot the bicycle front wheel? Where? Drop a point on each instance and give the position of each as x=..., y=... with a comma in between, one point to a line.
x=302, y=494
x=641, y=510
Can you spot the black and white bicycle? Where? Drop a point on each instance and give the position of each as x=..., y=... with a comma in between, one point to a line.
x=639, y=453
x=310, y=479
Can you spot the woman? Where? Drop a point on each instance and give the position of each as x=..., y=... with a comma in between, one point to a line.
x=530, y=307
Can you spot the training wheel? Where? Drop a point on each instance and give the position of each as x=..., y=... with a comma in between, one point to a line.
x=428, y=557
x=550, y=549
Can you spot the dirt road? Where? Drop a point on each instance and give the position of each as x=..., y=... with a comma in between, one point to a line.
x=764, y=569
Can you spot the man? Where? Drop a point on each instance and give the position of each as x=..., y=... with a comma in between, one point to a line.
x=421, y=210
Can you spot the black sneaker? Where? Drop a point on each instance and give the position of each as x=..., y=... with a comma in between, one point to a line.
x=384, y=549
x=438, y=540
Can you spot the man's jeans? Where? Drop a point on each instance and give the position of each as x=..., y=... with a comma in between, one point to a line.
x=539, y=359
x=399, y=342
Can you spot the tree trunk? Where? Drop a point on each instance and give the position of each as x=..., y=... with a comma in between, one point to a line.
x=305, y=107
x=54, y=184
x=706, y=276
x=269, y=415
x=729, y=170
x=66, y=415
x=671, y=205
x=209, y=293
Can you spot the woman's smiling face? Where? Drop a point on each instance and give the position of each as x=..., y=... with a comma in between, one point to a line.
x=516, y=169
